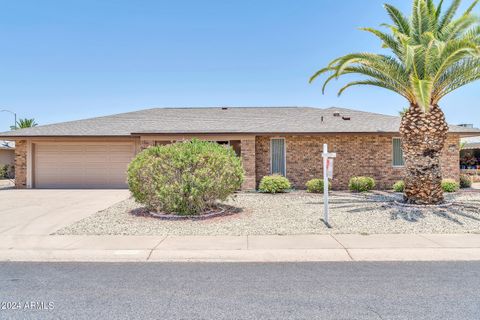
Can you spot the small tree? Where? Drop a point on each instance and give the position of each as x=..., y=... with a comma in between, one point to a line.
x=24, y=123
x=184, y=178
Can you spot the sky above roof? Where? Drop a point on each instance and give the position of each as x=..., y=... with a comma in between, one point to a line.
x=66, y=60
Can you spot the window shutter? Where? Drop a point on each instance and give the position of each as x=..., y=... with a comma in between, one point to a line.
x=278, y=156
x=397, y=152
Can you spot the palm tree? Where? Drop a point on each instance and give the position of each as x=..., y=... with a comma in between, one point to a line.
x=433, y=52
x=24, y=123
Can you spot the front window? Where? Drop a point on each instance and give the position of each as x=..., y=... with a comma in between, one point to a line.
x=397, y=152
x=278, y=156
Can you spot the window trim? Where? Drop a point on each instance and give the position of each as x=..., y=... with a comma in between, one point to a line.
x=284, y=153
x=393, y=155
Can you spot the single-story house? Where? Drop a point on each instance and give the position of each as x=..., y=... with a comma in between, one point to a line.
x=94, y=153
x=7, y=153
x=470, y=158
x=470, y=153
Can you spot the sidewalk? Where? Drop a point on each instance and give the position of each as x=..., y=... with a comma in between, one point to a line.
x=348, y=247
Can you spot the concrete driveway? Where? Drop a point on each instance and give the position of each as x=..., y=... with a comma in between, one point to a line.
x=42, y=212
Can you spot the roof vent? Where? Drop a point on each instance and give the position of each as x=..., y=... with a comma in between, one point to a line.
x=336, y=114
x=224, y=108
x=346, y=118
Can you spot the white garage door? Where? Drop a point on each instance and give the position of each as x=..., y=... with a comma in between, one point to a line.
x=82, y=165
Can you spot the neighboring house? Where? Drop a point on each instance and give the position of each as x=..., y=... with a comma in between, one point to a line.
x=7, y=153
x=94, y=153
x=470, y=154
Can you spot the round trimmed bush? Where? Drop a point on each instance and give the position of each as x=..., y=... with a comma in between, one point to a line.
x=274, y=184
x=450, y=185
x=465, y=181
x=316, y=185
x=399, y=186
x=184, y=178
x=361, y=184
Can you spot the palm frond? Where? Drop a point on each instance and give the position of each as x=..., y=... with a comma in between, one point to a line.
x=432, y=53
x=470, y=8
x=400, y=21
x=368, y=82
x=449, y=14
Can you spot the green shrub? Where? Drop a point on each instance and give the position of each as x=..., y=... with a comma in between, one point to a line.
x=399, y=186
x=7, y=172
x=361, y=184
x=465, y=181
x=184, y=178
x=316, y=185
x=274, y=184
x=450, y=185
x=4, y=172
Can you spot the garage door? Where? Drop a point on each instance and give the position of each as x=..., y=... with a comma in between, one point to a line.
x=81, y=165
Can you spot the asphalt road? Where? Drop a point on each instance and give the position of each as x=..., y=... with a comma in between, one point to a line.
x=241, y=291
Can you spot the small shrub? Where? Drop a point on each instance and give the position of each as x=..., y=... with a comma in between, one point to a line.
x=184, y=178
x=274, y=184
x=316, y=185
x=4, y=170
x=465, y=181
x=399, y=186
x=450, y=185
x=361, y=184
x=7, y=172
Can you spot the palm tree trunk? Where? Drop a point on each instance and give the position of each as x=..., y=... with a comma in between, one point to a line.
x=423, y=138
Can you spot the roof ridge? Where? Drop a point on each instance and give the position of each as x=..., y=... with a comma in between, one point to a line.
x=250, y=119
x=237, y=107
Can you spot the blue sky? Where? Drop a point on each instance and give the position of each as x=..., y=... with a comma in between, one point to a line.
x=66, y=60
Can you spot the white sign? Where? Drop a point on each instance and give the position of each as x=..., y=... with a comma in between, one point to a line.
x=327, y=174
x=330, y=168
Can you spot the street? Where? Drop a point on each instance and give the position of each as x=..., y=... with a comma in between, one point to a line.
x=351, y=290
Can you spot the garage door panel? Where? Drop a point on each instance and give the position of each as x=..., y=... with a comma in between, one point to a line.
x=120, y=149
x=82, y=165
x=53, y=159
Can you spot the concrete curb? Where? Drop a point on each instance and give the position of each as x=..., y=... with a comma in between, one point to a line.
x=269, y=248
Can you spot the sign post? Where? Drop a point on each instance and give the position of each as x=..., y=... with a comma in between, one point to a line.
x=327, y=173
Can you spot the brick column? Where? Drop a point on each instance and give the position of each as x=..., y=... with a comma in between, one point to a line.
x=20, y=164
x=248, y=160
x=450, y=160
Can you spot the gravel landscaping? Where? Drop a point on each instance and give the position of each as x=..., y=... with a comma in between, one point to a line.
x=296, y=213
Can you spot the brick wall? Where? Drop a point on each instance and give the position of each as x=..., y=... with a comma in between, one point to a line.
x=368, y=155
x=356, y=155
x=145, y=144
x=451, y=158
x=248, y=160
x=20, y=164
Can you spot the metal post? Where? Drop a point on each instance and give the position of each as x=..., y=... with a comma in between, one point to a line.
x=325, y=184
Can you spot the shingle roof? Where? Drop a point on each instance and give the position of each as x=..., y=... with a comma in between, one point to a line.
x=226, y=120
